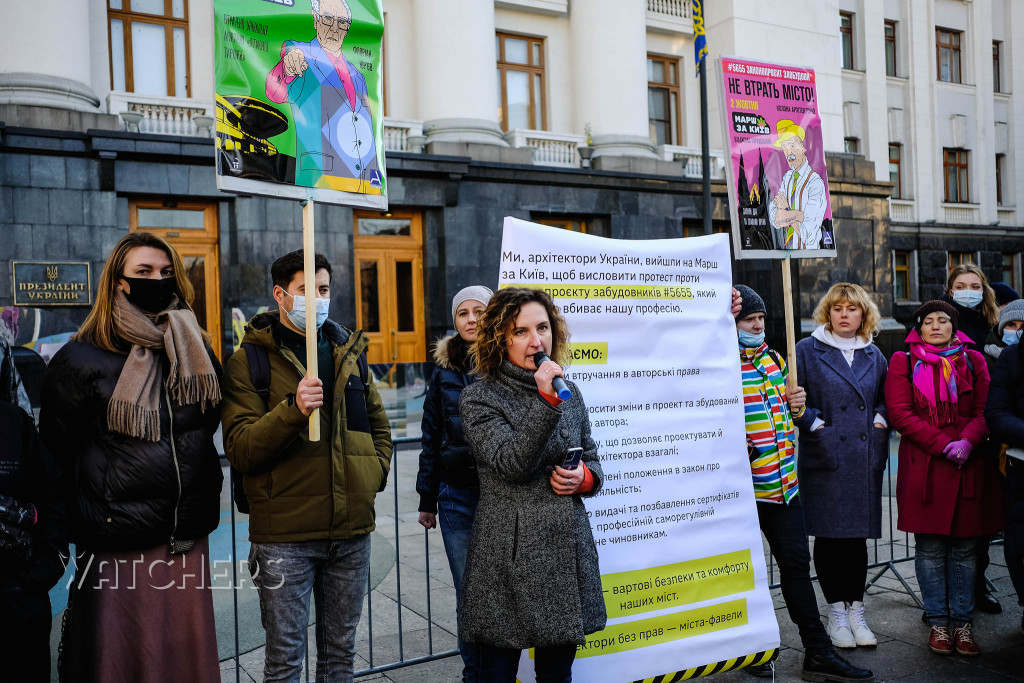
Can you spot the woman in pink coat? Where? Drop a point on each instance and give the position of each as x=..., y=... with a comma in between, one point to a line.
x=947, y=491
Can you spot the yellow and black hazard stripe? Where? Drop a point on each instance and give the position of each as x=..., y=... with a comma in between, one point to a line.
x=715, y=668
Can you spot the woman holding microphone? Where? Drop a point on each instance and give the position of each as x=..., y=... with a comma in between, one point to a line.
x=532, y=578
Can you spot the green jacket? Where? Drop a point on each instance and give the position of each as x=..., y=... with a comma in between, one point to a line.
x=299, y=490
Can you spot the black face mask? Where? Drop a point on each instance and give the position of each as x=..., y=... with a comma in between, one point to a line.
x=152, y=296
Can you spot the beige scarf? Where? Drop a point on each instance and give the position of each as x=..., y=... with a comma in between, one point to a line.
x=135, y=404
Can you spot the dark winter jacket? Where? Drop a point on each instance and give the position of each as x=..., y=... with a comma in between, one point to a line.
x=121, y=492
x=841, y=464
x=532, y=575
x=300, y=490
x=11, y=388
x=445, y=455
x=1004, y=411
x=31, y=477
x=971, y=322
x=934, y=495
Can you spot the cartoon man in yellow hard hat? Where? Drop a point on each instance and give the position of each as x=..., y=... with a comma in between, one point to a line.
x=798, y=208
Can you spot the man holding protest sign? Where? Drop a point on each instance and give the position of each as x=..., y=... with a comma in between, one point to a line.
x=311, y=501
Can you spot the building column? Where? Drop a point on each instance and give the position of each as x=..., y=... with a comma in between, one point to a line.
x=925, y=162
x=48, y=66
x=609, y=68
x=983, y=190
x=456, y=71
x=876, y=146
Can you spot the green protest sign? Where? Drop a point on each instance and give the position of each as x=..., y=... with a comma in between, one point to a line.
x=299, y=87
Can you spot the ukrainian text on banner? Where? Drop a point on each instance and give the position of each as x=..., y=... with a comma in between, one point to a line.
x=778, y=189
x=298, y=89
x=655, y=357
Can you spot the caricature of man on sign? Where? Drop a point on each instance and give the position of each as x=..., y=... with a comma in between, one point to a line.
x=799, y=205
x=335, y=146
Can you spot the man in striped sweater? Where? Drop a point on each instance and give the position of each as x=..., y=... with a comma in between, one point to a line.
x=769, y=410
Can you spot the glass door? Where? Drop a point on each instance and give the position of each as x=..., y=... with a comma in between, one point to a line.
x=389, y=286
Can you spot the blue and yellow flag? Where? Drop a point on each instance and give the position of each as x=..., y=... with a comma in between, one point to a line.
x=700, y=44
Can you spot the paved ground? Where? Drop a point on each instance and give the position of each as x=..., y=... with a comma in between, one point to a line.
x=902, y=653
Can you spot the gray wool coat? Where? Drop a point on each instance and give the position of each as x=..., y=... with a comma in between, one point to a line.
x=840, y=466
x=532, y=577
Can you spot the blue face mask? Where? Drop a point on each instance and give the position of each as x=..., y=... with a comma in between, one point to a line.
x=968, y=298
x=298, y=313
x=749, y=340
x=1011, y=337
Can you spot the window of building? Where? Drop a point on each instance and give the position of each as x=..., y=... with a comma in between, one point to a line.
x=947, y=45
x=697, y=229
x=846, y=38
x=904, y=275
x=663, y=100
x=1000, y=159
x=520, y=82
x=996, y=81
x=957, y=258
x=956, y=174
x=572, y=224
x=890, y=48
x=149, y=47
x=851, y=145
x=1010, y=270
x=896, y=170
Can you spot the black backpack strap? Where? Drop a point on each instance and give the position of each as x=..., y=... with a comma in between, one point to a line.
x=259, y=370
x=775, y=357
x=364, y=371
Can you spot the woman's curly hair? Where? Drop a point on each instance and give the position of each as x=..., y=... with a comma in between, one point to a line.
x=491, y=346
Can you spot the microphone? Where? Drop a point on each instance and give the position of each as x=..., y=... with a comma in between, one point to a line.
x=558, y=383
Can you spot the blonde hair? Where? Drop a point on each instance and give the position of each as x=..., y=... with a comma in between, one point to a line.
x=491, y=346
x=99, y=328
x=988, y=307
x=871, y=318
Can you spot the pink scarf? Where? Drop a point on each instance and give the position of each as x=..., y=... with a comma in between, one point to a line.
x=934, y=376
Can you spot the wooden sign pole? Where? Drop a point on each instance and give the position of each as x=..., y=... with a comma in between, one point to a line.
x=309, y=271
x=787, y=290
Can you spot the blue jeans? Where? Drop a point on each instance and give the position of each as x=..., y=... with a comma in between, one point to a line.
x=456, y=508
x=285, y=574
x=551, y=664
x=945, y=572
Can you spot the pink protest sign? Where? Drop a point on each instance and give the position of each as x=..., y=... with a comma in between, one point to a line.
x=775, y=167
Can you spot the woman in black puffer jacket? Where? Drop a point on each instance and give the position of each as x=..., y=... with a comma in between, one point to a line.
x=447, y=482
x=129, y=410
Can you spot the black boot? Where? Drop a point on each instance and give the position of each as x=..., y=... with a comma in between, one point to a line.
x=828, y=666
x=985, y=601
x=761, y=670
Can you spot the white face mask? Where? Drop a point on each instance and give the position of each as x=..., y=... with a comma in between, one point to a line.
x=298, y=313
x=968, y=298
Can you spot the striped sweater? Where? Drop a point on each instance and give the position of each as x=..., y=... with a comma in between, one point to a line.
x=769, y=426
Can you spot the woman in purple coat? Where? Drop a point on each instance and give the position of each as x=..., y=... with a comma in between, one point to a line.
x=844, y=446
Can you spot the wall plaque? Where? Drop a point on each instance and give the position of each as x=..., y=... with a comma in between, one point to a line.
x=51, y=283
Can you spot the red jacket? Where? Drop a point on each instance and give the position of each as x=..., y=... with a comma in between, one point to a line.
x=934, y=495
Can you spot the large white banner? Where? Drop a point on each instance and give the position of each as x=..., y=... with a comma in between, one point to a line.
x=655, y=357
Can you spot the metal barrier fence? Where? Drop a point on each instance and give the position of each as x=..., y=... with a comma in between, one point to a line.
x=885, y=554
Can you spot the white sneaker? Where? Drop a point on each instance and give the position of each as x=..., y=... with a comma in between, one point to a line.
x=838, y=626
x=861, y=633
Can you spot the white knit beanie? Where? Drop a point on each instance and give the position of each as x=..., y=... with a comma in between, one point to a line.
x=476, y=293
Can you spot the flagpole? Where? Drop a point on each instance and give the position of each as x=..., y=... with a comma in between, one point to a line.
x=700, y=53
x=704, y=146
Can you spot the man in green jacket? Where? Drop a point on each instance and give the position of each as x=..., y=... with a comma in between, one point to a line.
x=311, y=503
